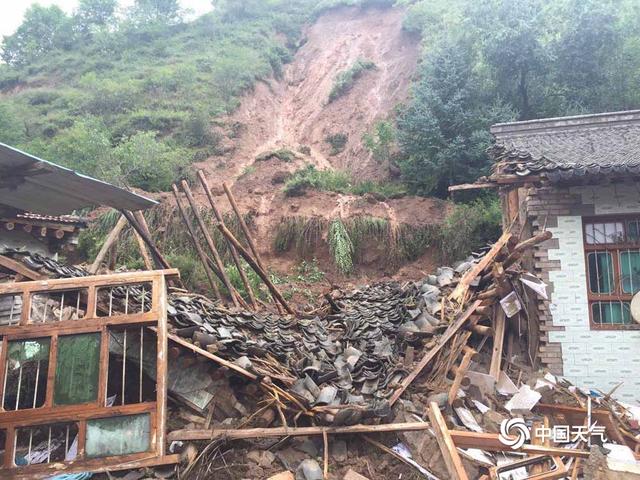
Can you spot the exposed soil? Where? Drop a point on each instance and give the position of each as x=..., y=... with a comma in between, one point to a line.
x=292, y=113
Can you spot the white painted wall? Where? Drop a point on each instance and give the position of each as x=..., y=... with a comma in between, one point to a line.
x=592, y=358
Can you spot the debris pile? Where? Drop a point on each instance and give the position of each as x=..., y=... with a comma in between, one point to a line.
x=440, y=375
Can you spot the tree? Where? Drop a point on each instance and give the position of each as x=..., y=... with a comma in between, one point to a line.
x=584, y=53
x=164, y=12
x=95, y=13
x=42, y=30
x=511, y=34
x=443, y=131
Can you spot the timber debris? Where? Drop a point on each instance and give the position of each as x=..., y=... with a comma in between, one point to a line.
x=430, y=376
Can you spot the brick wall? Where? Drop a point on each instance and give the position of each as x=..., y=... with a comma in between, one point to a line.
x=588, y=358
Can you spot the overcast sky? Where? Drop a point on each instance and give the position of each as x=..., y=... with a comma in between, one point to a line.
x=11, y=11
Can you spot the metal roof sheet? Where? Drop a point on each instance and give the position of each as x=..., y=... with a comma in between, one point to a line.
x=30, y=184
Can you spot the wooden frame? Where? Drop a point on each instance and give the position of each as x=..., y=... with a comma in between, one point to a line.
x=614, y=249
x=80, y=414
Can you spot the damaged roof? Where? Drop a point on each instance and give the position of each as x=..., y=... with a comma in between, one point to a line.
x=30, y=184
x=570, y=147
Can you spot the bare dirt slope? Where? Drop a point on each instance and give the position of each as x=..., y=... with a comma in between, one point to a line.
x=293, y=111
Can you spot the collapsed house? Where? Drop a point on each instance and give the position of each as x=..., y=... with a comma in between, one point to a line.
x=130, y=370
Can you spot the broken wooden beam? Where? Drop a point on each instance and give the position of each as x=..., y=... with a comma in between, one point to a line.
x=232, y=249
x=491, y=442
x=256, y=267
x=246, y=433
x=498, y=342
x=235, y=296
x=111, y=239
x=442, y=341
x=447, y=446
x=196, y=244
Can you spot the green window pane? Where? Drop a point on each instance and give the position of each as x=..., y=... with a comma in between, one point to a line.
x=630, y=270
x=77, y=369
x=118, y=435
x=600, y=272
x=611, y=313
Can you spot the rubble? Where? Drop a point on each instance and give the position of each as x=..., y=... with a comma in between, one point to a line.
x=360, y=377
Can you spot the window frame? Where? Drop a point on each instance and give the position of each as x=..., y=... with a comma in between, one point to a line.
x=155, y=317
x=615, y=249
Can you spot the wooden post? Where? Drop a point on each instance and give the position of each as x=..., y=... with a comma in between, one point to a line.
x=146, y=258
x=461, y=371
x=243, y=226
x=108, y=243
x=196, y=245
x=210, y=243
x=159, y=259
x=253, y=264
x=448, y=448
x=162, y=369
x=498, y=341
x=446, y=336
x=232, y=249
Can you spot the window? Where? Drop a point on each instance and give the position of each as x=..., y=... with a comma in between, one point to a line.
x=612, y=249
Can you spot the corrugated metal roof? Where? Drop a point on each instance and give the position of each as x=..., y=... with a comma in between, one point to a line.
x=30, y=184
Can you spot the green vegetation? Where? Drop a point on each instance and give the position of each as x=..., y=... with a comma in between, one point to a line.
x=381, y=140
x=338, y=142
x=345, y=80
x=502, y=60
x=91, y=89
x=348, y=240
x=340, y=246
x=283, y=154
x=336, y=181
x=309, y=272
x=470, y=226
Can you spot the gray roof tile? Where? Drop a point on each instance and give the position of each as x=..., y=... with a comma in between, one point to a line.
x=568, y=147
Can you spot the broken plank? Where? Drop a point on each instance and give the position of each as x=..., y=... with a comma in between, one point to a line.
x=461, y=289
x=491, y=442
x=245, y=433
x=446, y=336
x=447, y=446
x=498, y=343
x=20, y=268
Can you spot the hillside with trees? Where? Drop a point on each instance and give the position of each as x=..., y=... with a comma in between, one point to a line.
x=317, y=112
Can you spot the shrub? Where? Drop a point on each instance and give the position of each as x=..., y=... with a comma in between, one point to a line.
x=340, y=246
x=381, y=140
x=338, y=142
x=283, y=154
x=148, y=163
x=345, y=80
x=470, y=226
x=310, y=177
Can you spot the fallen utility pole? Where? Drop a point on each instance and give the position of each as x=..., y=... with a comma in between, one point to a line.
x=235, y=296
x=253, y=264
x=232, y=249
x=196, y=245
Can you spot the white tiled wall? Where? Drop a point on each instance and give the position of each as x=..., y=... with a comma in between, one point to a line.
x=591, y=358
